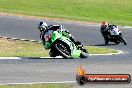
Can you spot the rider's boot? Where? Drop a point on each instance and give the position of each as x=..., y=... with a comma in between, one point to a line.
x=106, y=42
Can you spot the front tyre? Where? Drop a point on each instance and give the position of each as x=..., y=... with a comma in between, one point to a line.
x=62, y=49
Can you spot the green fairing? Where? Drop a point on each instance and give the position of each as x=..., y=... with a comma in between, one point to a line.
x=47, y=45
x=58, y=35
x=76, y=53
x=55, y=35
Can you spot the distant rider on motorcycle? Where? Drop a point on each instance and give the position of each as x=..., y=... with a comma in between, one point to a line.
x=105, y=30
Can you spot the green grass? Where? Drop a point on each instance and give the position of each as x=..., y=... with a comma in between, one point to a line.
x=17, y=48
x=114, y=11
x=10, y=48
x=39, y=86
x=98, y=50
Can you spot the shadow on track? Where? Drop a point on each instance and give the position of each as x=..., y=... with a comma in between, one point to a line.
x=103, y=45
x=53, y=58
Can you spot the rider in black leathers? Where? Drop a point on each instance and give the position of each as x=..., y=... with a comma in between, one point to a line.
x=105, y=30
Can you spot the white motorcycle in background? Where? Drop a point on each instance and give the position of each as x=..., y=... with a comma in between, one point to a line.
x=116, y=36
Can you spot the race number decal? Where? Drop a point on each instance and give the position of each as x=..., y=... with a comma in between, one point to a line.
x=48, y=35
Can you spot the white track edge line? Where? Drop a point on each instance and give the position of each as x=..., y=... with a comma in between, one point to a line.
x=11, y=58
x=59, y=82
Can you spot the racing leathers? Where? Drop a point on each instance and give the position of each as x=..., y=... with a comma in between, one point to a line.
x=57, y=28
x=106, y=31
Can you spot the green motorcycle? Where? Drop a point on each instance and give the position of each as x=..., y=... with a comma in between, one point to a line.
x=62, y=46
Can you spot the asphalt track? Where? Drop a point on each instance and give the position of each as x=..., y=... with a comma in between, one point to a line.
x=62, y=70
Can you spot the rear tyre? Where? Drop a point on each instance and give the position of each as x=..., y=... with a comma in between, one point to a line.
x=106, y=42
x=85, y=50
x=62, y=49
x=80, y=47
x=116, y=42
x=83, y=55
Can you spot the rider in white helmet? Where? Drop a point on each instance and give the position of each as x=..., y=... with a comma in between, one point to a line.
x=43, y=27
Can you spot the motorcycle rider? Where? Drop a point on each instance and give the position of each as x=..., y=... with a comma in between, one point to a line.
x=43, y=27
x=105, y=30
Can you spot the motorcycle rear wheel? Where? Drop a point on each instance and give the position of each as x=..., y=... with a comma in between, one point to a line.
x=116, y=42
x=83, y=55
x=62, y=49
x=122, y=40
